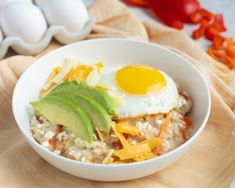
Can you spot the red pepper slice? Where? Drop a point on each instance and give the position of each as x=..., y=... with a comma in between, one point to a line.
x=196, y=17
x=211, y=32
x=174, y=12
x=200, y=15
x=206, y=14
x=198, y=33
x=139, y=3
x=219, y=23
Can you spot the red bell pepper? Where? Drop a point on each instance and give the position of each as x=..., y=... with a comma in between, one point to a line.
x=174, y=12
x=211, y=26
x=139, y=3
x=196, y=17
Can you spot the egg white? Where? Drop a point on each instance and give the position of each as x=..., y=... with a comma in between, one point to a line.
x=130, y=105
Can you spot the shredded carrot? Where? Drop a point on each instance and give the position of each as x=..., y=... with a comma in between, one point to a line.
x=224, y=52
x=158, y=150
x=58, y=129
x=229, y=41
x=52, y=141
x=184, y=135
x=187, y=124
x=229, y=48
x=165, y=126
x=226, y=59
x=211, y=53
x=162, y=133
x=218, y=42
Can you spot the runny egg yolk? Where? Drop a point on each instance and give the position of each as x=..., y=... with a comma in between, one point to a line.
x=140, y=79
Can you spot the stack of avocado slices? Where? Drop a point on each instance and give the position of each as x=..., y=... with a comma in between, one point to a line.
x=79, y=107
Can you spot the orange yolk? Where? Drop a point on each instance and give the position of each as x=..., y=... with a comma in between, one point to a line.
x=140, y=79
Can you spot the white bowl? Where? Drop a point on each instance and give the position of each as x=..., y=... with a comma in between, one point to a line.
x=113, y=51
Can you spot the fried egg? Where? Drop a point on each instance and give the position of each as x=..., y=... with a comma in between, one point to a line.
x=139, y=90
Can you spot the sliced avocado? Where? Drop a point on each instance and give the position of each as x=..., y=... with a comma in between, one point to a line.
x=97, y=94
x=63, y=111
x=101, y=120
x=65, y=86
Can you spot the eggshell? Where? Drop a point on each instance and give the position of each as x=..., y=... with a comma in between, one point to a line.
x=71, y=14
x=24, y=20
x=5, y=2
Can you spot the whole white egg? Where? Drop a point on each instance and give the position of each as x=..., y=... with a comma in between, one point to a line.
x=24, y=20
x=71, y=14
x=5, y=2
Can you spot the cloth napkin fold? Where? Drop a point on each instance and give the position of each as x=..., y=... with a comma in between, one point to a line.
x=210, y=162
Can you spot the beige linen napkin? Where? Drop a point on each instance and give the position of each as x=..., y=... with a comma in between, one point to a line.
x=210, y=162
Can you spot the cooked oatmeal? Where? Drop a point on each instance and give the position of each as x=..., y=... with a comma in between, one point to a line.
x=61, y=141
x=110, y=114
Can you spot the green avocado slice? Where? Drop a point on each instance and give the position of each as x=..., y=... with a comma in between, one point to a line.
x=101, y=120
x=63, y=111
x=97, y=94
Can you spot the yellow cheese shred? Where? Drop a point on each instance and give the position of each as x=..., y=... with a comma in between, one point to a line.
x=108, y=158
x=100, y=134
x=138, y=152
x=43, y=92
x=122, y=139
x=135, y=151
x=123, y=127
x=152, y=142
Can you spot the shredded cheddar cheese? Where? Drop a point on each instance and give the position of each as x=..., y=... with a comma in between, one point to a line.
x=127, y=128
x=135, y=151
x=138, y=152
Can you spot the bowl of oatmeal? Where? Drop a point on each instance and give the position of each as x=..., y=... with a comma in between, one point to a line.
x=112, y=105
